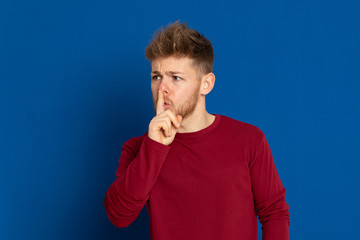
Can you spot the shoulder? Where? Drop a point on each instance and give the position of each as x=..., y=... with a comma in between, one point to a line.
x=241, y=129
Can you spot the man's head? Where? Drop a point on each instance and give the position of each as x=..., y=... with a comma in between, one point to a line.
x=181, y=62
x=178, y=40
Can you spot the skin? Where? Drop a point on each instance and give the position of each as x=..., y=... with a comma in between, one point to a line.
x=176, y=81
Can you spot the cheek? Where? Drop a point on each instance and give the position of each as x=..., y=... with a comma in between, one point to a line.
x=154, y=89
x=153, y=86
x=180, y=96
x=154, y=97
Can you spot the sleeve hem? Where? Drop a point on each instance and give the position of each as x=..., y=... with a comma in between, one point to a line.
x=156, y=145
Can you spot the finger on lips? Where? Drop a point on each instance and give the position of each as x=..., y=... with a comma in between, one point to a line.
x=172, y=119
x=160, y=103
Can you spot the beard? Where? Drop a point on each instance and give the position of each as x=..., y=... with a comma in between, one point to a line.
x=188, y=107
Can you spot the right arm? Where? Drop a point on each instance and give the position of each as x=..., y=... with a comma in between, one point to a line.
x=136, y=174
x=139, y=167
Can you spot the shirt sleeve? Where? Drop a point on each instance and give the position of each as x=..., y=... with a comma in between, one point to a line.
x=136, y=174
x=269, y=193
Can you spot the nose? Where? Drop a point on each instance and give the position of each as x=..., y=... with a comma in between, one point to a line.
x=164, y=87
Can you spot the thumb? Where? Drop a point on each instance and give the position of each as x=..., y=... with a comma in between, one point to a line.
x=179, y=117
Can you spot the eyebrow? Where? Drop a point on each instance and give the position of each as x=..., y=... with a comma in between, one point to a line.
x=170, y=72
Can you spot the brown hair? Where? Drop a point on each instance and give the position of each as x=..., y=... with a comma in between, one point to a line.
x=179, y=40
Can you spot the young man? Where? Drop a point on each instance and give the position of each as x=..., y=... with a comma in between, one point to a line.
x=200, y=175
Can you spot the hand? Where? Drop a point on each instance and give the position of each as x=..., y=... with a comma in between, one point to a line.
x=163, y=127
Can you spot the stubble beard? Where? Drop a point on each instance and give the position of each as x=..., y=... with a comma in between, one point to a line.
x=188, y=107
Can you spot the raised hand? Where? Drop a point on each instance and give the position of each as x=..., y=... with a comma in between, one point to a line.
x=163, y=127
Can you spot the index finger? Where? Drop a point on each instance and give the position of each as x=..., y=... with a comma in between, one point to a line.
x=160, y=103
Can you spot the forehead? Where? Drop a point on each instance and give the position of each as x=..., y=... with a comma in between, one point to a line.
x=172, y=63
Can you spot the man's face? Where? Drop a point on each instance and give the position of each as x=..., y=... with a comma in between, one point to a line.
x=179, y=81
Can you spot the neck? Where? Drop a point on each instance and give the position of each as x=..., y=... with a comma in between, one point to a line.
x=196, y=121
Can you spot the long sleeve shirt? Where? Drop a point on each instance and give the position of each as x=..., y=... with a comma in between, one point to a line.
x=209, y=184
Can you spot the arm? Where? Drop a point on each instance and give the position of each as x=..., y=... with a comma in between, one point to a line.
x=269, y=193
x=139, y=167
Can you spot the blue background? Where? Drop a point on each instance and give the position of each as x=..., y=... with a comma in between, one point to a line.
x=75, y=86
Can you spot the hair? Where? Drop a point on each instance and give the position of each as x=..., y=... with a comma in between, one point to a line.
x=180, y=41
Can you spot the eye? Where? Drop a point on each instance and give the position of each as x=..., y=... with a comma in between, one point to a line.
x=177, y=78
x=156, y=77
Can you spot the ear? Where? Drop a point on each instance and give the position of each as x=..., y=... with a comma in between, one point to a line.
x=207, y=83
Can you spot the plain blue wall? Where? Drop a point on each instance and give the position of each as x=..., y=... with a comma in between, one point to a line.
x=75, y=86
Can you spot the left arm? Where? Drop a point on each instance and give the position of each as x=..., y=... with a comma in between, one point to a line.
x=269, y=193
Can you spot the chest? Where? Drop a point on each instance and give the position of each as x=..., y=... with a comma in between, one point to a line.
x=214, y=166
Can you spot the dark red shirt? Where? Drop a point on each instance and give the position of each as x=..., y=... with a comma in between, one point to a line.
x=209, y=184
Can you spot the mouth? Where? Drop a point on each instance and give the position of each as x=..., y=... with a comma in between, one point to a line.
x=166, y=104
